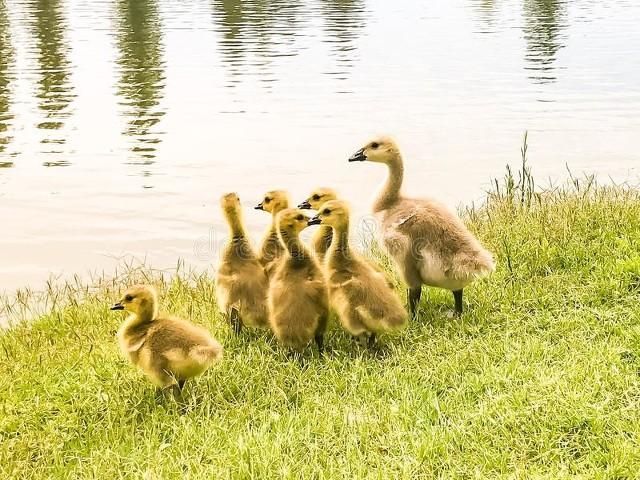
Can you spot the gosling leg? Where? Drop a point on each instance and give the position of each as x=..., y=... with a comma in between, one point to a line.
x=235, y=320
x=319, y=338
x=176, y=391
x=414, y=299
x=372, y=340
x=457, y=296
x=362, y=339
x=319, y=335
x=165, y=381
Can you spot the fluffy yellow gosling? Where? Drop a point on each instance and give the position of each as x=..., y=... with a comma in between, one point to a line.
x=167, y=349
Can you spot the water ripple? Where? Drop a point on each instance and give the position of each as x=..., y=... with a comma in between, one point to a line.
x=55, y=92
x=142, y=77
x=7, y=78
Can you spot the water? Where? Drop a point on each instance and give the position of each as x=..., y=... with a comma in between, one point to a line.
x=122, y=122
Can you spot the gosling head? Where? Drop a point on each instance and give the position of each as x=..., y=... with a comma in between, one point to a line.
x=139, y=299
x=292, y=221
x=230, y=203
x=334, y=213
x=318, y=197
x=380, y=150
x=274, y=201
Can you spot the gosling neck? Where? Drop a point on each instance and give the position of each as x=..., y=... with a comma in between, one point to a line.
x=293, y=245
x=390, y=192
x=274, y=223
x=340, y=242
x=324, y=233
x=236, y=228
x=147, y=312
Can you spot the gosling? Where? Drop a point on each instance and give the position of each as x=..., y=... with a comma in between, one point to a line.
x=298, y=297
x=167, y=349
x=428, y=242
x=272, y=250
x=322, y=238
x=241, y=284
x=360, y=294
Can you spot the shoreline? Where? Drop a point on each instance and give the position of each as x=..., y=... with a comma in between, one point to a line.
x=538, y=377
x=27, y=303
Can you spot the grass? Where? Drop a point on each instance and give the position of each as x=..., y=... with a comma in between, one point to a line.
x=538, y=379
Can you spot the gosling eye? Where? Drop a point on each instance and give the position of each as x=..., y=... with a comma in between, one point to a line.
x=128, y=298
x=375, y=145
x=267, y=200
x=300, y=217
x=326, y=211
x=316, y=197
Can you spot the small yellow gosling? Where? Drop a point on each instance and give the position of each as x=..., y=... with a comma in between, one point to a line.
x=271, y=250
x=298, y=297
x=360, y=294
x=167, y=349
x=241, y=284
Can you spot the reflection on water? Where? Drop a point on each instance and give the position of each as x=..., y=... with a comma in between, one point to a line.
x=6, y=79
x=486, y=12
x=55, y=92
x=344, y=21
x=544, y=22
x=255, y=33
x=200, y=97
x=141, y=76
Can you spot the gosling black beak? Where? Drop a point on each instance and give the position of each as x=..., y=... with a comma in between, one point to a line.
x=259, y=206
x=118, y=306
x=359, y=156
x=305, y=205
x=314, y=221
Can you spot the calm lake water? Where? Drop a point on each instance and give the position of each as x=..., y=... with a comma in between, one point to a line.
x=122, y=122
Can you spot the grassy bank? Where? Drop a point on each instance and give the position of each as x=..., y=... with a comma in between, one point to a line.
x=539, y=379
